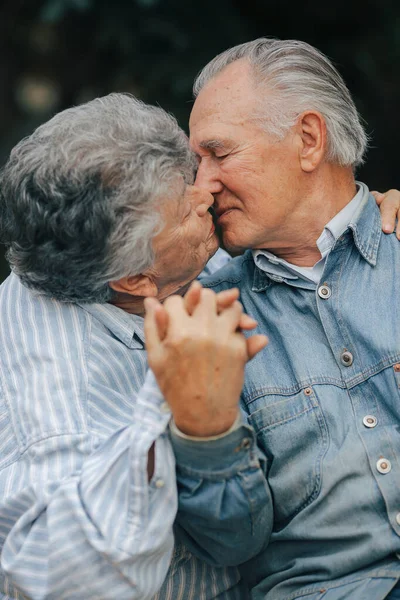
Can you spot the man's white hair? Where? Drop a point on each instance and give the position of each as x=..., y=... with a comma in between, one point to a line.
x=294, y=77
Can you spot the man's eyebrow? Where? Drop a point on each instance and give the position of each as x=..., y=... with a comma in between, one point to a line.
x=214, y=144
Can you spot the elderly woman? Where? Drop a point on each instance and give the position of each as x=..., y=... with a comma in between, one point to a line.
x=98, y=213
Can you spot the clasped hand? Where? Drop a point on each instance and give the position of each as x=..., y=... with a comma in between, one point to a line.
x=198, y=352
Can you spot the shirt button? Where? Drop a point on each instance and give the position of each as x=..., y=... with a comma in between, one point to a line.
x=246, y=444
x=165, y=407
x=346, y=358
x=397, y=368
x=398, y=518
x=159, y=483
x=383, y=465
x=370, y=421
x=324, y=292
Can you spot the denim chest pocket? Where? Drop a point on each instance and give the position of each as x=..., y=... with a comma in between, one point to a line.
x=292, y=432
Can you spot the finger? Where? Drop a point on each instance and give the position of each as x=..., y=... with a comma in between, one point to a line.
x=174, y=302
x=255, y=344
x=151, y=332
x=247, y=323
x=226, y=298
x=176, y=311
x=390, y=208
x=192, y=297
x=388, y=217
x=378, y=197
x=162, y=321
x=398, y=226
x=231, y=316
x=207, y=307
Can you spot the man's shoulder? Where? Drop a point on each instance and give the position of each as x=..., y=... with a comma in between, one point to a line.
x=233, y=274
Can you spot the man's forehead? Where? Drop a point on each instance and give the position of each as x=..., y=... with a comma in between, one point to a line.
x=221, y=129
x=227, y=95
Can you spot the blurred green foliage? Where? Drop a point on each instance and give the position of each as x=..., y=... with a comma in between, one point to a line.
x=55, y=53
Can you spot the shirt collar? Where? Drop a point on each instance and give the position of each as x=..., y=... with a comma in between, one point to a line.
x=361, y=216
x=341, y=220
x=367, y=228
x=124, y=326
x=278, y=267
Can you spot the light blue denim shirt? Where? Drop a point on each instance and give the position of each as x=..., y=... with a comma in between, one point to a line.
x=78, y=518
x=324, y=400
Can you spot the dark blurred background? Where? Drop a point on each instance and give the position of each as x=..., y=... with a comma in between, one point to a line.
x=56, y=53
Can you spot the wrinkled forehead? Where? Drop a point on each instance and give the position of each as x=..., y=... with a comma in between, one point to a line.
x=228, y=100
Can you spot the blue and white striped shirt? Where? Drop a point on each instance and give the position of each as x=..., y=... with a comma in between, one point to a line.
x=78, y=518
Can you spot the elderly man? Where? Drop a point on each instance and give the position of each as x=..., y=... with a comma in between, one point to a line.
x=278, y=138
x=98, y=212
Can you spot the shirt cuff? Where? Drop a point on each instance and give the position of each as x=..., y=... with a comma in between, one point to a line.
x=220, y=458
x=175, y=431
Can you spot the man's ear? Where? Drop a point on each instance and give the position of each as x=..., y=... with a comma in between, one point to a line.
x=135, y=285
x=312, y=131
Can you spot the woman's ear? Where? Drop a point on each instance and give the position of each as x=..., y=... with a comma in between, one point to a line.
x=135, y=285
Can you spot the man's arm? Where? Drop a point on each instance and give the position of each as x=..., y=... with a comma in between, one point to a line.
x=224, y=501
x=89, y=524
x=225, y=509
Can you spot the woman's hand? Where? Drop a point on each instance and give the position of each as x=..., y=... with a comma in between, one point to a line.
x=198, y=353
x=389, y=204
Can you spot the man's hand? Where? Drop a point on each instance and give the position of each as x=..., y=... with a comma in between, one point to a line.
x=389, y=204
x=198, y=357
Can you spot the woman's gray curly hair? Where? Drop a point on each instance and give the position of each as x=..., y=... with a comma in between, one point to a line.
x=80, y=197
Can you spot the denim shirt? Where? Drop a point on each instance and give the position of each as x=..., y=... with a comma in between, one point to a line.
x=324, y=400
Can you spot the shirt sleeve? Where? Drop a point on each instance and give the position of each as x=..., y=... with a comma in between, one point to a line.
x=103, y=531
x=225, y=507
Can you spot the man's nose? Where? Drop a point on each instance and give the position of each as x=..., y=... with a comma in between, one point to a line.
x=204, y=201
x=207, y=177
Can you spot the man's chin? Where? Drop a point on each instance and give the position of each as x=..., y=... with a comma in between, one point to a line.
x=232, y=244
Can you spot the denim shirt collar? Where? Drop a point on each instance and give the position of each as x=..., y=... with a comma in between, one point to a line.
x=365, y=227
x=262, y=281
x=124, y=326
